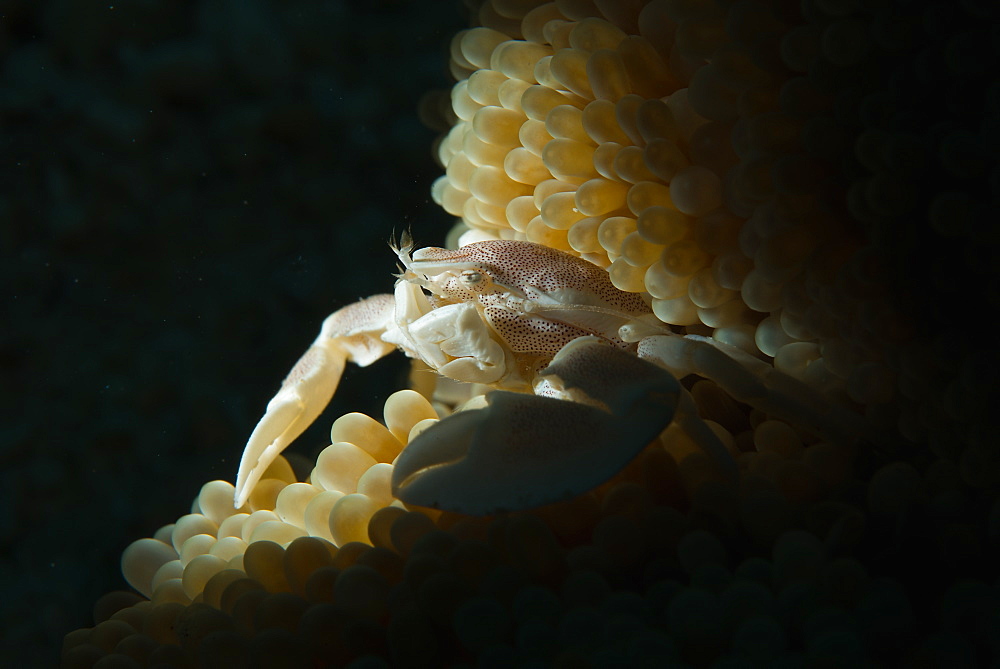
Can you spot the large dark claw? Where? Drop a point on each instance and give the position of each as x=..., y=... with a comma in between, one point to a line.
x=524, y=451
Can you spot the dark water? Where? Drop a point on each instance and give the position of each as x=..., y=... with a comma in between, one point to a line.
x=187, y=189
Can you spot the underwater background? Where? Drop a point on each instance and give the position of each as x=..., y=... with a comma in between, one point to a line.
x=186, y=190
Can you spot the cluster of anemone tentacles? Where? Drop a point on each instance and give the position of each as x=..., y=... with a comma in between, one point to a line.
x=744, y=165
x=727, y=160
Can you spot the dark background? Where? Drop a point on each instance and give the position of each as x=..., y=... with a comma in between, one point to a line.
x=186, y=190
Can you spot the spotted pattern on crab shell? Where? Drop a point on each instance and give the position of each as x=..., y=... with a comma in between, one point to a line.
x=531, y=334
x=357, y=318
x=540, y=270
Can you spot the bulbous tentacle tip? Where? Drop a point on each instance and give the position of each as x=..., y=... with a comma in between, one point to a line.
x=524, y=451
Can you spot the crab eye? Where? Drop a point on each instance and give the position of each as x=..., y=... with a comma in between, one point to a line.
x=471, y=277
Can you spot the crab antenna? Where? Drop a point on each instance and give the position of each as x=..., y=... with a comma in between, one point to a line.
x=405, y=243
x=402, y=251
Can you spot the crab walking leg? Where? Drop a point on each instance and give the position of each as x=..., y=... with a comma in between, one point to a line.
x=754, y=382
x=349, y=334
x=523, y=451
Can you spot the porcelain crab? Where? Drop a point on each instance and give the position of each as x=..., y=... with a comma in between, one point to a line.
x=584, y=374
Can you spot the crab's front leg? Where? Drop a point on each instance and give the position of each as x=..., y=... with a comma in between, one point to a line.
x=353, y=333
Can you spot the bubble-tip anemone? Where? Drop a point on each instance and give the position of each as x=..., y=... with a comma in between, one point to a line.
x=730, y=160
x=664, y=141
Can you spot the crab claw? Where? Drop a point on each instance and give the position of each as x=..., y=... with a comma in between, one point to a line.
x=352, y=333
x=523, y=451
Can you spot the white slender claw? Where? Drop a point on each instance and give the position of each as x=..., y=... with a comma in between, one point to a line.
x=304, y=394
x=352, y=333
x=523, y=451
